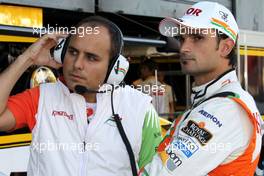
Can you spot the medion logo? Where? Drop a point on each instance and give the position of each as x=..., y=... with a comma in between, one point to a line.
x=211, y=117
x=62, y=113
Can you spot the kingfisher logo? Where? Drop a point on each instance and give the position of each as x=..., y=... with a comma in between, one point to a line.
x=211, y=117
x=62, y=113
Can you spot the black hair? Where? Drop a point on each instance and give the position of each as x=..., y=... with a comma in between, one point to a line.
x=150, y=64
x=232, y=55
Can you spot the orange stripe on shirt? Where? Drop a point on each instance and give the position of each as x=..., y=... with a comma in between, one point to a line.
x=24, y=107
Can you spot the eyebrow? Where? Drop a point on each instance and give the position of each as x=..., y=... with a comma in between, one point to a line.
x=197, y=34
x=86, y=53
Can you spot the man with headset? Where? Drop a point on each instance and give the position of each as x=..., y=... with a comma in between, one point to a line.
x=86, y=124
x=220, y=134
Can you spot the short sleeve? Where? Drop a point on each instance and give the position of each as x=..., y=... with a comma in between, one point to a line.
x=24, y=107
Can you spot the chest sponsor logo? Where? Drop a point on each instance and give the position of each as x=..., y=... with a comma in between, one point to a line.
x=201, y=134
x=63, y=114
x=211, y=117
x=186, y=145
x=173, y=160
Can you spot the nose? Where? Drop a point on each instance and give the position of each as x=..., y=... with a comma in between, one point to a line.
x=78, y=63
x=186, y=45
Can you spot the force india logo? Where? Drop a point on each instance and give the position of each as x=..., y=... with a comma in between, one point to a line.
x=201, y=134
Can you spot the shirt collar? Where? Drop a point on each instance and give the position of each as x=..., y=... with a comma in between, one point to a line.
x=208, y=89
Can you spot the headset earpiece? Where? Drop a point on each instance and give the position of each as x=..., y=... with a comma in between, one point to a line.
x=118, y=71
x=118, y=65
x=60, y=50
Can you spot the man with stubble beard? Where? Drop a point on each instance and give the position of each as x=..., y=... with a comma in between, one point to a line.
x=220, y=134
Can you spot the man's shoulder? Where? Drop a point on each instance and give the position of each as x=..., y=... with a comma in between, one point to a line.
x=49, y=85
x=225, y=110
x=219, y=114
x=218, y=105
x=151, y=81
x=242, y=94
x=53, y=89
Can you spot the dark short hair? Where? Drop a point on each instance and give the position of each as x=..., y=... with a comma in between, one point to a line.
x=150, y=64
x=232, y=55
x=116, y=36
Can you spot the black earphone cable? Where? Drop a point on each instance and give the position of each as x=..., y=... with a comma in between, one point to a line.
x=123, y=136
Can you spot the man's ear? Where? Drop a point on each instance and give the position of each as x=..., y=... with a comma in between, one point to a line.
x=226, y=46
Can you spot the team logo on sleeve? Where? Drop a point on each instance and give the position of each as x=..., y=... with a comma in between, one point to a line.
x=214, y=119
x=200, y=133
x=173, y=160
x=186, y=145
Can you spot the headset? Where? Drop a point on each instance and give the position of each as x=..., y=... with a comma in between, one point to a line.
x=118, y=65
x=117, y=69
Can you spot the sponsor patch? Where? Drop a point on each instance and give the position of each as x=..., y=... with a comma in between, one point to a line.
x=62, y=114
x=211, y=117
x=201, y=134
x=186, y=145
x=224, y=16
x=173, y=160
x=193, y=11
